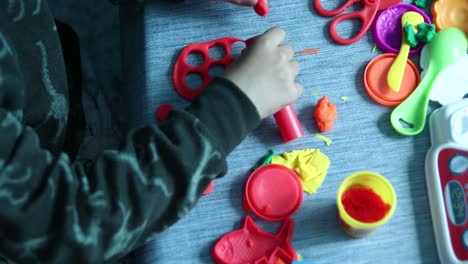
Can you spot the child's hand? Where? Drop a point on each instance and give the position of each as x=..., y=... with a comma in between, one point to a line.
x=241, y=2
x=266, y=73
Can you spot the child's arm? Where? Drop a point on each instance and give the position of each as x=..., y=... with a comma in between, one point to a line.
x=56, y=211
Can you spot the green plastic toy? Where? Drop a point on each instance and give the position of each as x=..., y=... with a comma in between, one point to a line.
x=426, y=32
x=447, y=47
x=263, y=161
x=422, y=3
x=410, y=35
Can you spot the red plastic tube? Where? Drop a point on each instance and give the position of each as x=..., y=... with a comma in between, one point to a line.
x=288, y=123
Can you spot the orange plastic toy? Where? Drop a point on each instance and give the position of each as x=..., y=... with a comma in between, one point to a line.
x=375, y=80
x=325, y=114
x=450, y=13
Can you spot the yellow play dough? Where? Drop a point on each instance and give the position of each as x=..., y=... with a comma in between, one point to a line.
x=311, y=166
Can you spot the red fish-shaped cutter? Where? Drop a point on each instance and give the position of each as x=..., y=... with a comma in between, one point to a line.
x=251, y=245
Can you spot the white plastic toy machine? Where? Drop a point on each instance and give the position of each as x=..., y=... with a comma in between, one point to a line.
x=447, y=180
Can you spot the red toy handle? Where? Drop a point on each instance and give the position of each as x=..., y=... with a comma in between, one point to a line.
x=366, y=15
x=261, y=8
x=328, y=13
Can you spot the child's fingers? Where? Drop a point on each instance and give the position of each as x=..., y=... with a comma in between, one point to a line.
x=273, y=36
x=295, y=67
x=287, y=50
x=299, y=90
x=293, y=92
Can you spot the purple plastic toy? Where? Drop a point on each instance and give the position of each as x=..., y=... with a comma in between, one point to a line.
x=387, y=28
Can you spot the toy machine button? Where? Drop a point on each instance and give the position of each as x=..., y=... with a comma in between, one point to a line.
x=464, y=238
x=459, y=124
x=458, y=164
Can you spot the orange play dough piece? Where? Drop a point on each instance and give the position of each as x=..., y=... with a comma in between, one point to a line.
x=325, y=114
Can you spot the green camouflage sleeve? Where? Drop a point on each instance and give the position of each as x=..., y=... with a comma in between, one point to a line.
x=53, y=210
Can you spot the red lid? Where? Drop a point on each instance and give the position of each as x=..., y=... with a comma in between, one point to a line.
x=273, y=192
x=375, y=80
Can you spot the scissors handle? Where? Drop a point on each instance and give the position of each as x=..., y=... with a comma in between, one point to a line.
x=328, y=13
x=365, y=15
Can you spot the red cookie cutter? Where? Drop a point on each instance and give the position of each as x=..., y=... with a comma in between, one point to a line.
x=252, y=245
x=182, y=68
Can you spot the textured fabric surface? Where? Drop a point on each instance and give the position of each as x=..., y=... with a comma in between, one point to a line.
x=363, y=138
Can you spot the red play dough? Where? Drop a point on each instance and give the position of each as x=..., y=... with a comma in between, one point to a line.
x=261, y=8
x=364, y=205
x=209, y=189
x=163, y=111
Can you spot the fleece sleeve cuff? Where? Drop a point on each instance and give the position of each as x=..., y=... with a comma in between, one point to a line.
x=227, y=113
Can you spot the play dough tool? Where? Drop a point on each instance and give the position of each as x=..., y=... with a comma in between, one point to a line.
x=182, y=68
x=387, y=30
x=288, y=123
x=273, y=192
x=251, y=245
x=375, y=80
x=447, y=180
x=447, y=47
x=371, y=181
x=454, y=76
x=397, y=70
x=450, y=13
x=366, y=15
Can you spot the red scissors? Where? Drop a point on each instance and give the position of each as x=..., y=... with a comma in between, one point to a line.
x=366, y=15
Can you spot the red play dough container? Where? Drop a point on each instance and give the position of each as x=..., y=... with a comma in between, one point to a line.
x=273, y=192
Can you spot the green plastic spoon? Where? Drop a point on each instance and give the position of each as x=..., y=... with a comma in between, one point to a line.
x=446, y=48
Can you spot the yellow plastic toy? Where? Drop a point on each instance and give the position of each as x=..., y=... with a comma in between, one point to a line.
x=397, y=70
